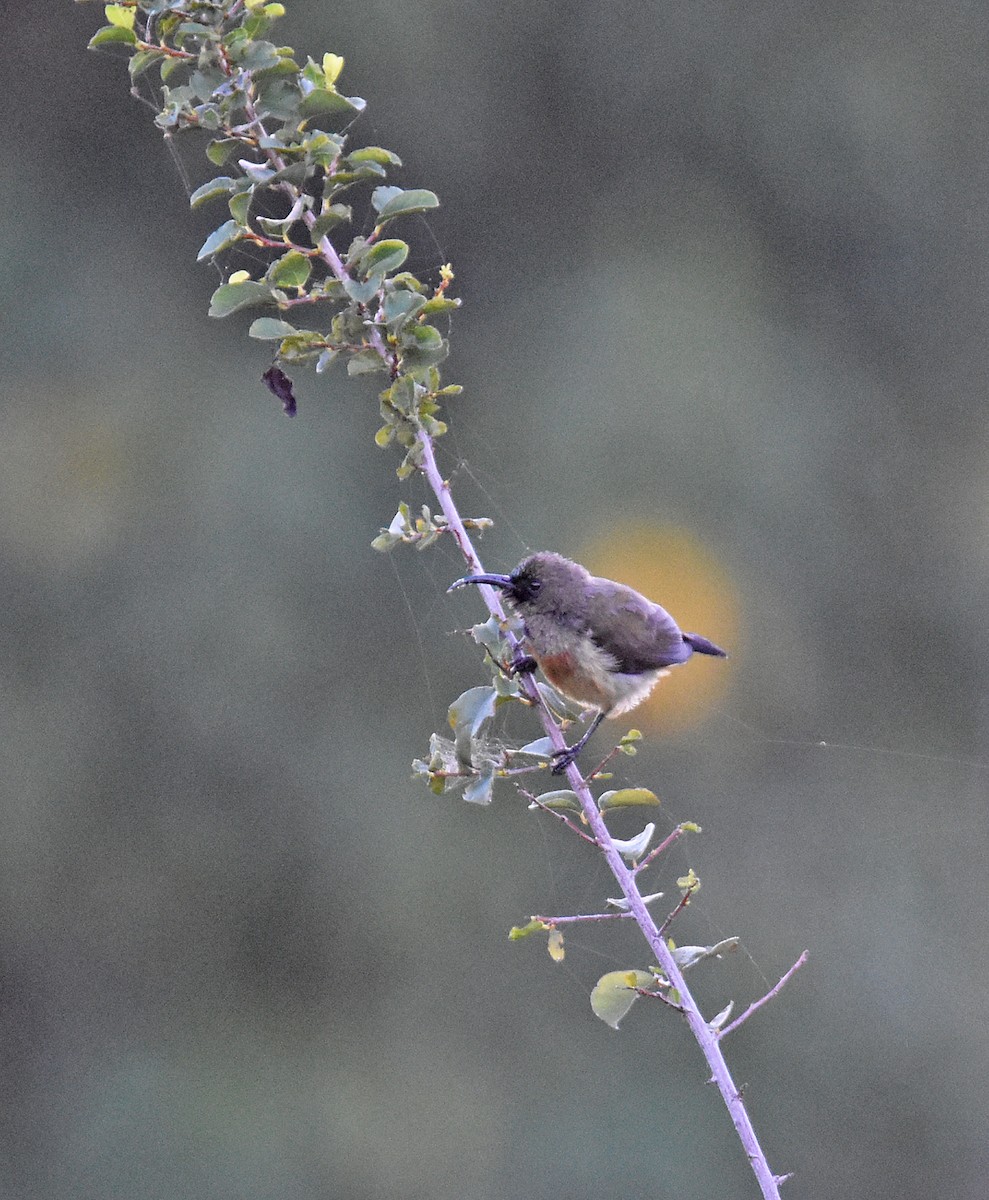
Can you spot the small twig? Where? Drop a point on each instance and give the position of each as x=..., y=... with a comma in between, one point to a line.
x=774, y=991
x=658, y=850
x=560, y=816
x=684, y=901
x=660, y=996
x=612, y=916
x=613, y=753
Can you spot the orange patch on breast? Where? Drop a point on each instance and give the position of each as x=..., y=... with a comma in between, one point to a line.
x=564, y=674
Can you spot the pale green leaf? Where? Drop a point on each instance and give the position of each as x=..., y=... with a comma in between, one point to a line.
x=634, y=848
x=270, y=329
x=627, y=798
x=413, y=201
x=226, y=235
x=230, y=297
x=222, y=185
x=614, y=994
x=120, y=15
x=559, y=801
x=688, y=956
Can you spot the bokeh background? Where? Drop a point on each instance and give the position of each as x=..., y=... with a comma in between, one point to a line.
x=724, y=269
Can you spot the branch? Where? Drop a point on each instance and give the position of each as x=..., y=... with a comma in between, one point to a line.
x=703, y=1034
x=774, y=991
x=382, y=320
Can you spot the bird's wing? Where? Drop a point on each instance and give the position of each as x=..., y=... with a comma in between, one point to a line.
x=641, y=636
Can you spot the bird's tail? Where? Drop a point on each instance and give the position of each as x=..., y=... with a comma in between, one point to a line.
x=703, y=646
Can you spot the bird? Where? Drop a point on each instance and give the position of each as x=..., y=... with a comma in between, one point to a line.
x=599, y=642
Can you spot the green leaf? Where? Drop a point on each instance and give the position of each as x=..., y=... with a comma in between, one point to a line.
x=274, y=227
x=303, y=343
x=401, y=306
x=322, y=103
x=402, y=395
x=384, y=257
x=230, y=297
x=518, y=932
x=467, y=714
x=365, y=362
x=688, y=956
x=441, y=304
x=120, y=15
x=290, y=271
x=489, y=635
x=142, y=60
x=257, y=55
x=374, y=154
x=270, y=329
x=168, y=68
x=554, y=945
x=416, y=200
x=382, y=195
x=222, y=185
x=426, y=339
x=220, y=150
x=361, y=293
x=627, y=798
x=562, y=801
x=423, y=347
x=111, y=33
x=331, y=216
x=613, y=994
x=240, y=206
x=226, y=235
x=205, y=82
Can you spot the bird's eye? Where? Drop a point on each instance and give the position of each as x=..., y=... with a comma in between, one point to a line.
x=535, y=585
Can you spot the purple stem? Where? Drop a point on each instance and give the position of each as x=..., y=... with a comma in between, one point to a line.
x=704, y=1035
x=784, y=980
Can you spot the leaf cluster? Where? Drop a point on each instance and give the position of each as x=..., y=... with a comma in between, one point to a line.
x=277, y=138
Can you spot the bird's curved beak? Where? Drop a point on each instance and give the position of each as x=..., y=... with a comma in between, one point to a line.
x=498, y=581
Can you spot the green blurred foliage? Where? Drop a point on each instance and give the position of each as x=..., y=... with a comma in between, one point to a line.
x=723, y=264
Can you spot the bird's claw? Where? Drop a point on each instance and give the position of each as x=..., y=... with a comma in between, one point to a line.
x=522, y=664
x=562, y=759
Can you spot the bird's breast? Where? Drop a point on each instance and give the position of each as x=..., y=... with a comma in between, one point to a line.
x=575, y=676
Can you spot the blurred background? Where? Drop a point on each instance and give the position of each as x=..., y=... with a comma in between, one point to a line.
x=724, y=335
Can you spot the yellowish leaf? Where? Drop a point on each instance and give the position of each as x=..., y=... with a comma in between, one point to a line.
x=332, y=66
x=120, y=15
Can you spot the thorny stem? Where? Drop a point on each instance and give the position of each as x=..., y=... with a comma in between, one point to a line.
x=580, y=917
x=560, y=816
x=684, y=901
x=706, y=1037
x=658, y=850
x=773, y=991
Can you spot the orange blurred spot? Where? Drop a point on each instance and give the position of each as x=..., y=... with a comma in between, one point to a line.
x=670, y=566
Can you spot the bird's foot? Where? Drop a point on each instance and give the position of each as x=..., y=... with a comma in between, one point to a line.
x=522, y=664
x=563, y=758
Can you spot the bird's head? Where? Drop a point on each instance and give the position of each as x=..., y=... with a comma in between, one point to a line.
x=542, y=583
